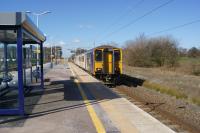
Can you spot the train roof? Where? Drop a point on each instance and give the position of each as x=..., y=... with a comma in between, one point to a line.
x=98, y=47
x=105, y=46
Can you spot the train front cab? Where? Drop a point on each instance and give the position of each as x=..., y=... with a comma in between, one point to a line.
x=108, y=63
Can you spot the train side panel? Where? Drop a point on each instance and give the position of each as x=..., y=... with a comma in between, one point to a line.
x=89, y=61
x=103, y=62
x=80, y=60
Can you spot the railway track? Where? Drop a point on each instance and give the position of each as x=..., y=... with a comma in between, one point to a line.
x=150, y=107
x=124, y=90
x=175, y=127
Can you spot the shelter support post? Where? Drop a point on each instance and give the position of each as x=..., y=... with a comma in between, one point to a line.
x=41, y=65
x=31, y=70
x=20, y=70
x=6, y=59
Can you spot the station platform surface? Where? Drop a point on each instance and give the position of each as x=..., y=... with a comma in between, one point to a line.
x=75, y=102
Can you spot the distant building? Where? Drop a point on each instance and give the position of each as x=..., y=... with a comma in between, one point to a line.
x=57, y=52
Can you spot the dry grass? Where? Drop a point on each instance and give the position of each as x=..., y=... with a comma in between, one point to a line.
x=171, y=92
x=165, y=90
x=173, y=83
x=189, y=66
x=196, y=100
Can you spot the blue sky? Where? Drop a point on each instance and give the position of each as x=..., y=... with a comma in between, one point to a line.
x=78, y=23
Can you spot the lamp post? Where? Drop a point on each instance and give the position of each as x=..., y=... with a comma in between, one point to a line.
x=55, y=55
x=51, y=57
x=37, y=22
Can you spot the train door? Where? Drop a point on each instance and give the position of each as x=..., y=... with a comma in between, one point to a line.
x=108, y=61
x=117, y=61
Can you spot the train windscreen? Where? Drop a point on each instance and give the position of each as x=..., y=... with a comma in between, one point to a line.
x=98, y=55
x=117, y=55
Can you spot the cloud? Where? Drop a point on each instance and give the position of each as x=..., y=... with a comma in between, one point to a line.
x=46, y=44
x=81, y=26
x=51, y=37
x=57, y=43
x=88, y=26
x=61, y=43
x=76, y=40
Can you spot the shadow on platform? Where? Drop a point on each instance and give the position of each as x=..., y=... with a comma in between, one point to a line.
x=58, y=96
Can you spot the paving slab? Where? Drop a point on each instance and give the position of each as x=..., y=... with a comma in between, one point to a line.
x=60, y=109
x=126, y=116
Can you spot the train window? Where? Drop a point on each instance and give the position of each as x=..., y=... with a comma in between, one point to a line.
x=98, y=55
x=117, y=55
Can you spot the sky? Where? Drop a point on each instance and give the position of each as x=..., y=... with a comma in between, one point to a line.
x=88, y=23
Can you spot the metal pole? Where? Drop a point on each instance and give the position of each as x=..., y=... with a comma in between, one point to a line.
x=20, y=70
x=24, y=65
x=37, y=16
x=55, y=55
x=41, y=65
x=6, y=59
x=44, y=54
x=31, y=63
x=37, y=64
x=51, y=57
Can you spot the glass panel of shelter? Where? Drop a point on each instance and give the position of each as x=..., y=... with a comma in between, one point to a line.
x=36, y=63
x=31, y=61
x=8, y=70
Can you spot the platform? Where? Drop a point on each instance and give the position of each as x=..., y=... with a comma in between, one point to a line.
x=75, y=102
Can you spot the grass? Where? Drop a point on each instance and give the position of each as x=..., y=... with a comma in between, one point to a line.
x=189, y=59
x=189, y=65
x=196, y=100
x=165, y=90
x=186, y=66
x=171, y=91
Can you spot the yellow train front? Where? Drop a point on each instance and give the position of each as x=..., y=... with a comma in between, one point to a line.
x=104, y=62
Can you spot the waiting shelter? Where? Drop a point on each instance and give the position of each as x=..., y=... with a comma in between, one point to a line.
x=20, y=41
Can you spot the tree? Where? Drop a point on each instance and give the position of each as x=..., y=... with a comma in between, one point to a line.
x=182, y=52
x=194, y=52
x=146, y=52
x=80, y=51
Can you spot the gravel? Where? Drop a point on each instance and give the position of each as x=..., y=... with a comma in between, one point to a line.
x=184, y=114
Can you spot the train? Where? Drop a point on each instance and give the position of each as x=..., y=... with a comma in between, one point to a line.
x=104, y=62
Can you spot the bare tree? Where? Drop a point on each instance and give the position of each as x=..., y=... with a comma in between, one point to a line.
x=146, y=52
x=194, y=52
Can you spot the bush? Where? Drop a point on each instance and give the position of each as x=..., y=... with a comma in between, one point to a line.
x=137, y=53
x=196, y=69
x=194, y=52
x=143, y=52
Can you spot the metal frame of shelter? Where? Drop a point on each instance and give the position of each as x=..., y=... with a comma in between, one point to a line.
x=27, y=33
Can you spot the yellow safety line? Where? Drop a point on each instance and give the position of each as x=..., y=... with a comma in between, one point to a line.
x=95, y=119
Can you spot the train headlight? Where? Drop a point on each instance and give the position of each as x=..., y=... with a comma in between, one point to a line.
x=117, y=69
x=98, y=69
